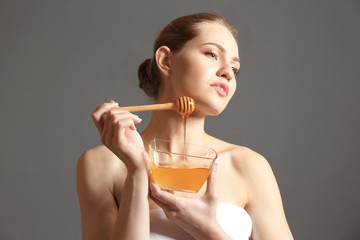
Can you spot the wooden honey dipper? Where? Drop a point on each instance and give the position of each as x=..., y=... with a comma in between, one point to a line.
x=184, y=105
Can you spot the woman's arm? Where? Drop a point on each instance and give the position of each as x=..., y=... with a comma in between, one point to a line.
x=101, y=217
x=133, y=216
x=264, y=201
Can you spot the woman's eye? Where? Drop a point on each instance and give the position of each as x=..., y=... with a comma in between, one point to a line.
x=212, y=55
x=235, y=70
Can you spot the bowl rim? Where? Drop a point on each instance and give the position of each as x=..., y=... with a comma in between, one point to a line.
x=194, y=156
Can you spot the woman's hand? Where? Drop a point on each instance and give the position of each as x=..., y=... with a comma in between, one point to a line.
x=118, y=133
x=196, y=216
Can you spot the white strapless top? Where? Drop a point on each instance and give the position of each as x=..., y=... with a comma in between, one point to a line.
x=235, y=221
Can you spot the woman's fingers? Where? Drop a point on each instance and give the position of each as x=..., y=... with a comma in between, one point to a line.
x=158, y=202
x=164, y=198
x=116, y=123
x=168, y=210
x=123, y=119
x=99, y=112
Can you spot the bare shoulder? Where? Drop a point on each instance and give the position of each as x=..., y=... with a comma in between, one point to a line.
x=243, y=159
x=100, y=159
x=262, y=199
x=248, y=161
x=252, y=166
x=260, y=182
x=97, y=168
x=99, y=173
x=247, y=165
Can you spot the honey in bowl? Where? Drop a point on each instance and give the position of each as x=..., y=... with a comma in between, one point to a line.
x=180, y=178
x=174, y=170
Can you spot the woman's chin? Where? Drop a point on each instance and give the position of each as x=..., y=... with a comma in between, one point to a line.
x=216, y=112
x=209, y=107
x=213, y=111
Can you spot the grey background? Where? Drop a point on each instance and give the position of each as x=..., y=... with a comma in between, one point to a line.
x=297, y=102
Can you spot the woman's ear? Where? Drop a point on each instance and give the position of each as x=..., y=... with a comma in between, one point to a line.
x=162, y=57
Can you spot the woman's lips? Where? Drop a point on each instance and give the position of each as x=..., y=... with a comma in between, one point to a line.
x=221, y=88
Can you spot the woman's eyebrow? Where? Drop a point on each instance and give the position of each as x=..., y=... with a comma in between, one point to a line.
x=236, y=59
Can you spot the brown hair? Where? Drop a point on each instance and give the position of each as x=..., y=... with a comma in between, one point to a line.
x=175, y=35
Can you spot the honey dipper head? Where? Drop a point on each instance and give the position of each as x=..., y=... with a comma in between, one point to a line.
x=185, y=105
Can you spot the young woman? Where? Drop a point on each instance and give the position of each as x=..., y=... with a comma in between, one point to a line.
x=195, y=56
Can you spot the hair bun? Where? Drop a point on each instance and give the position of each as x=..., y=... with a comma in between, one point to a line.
x=148, y=77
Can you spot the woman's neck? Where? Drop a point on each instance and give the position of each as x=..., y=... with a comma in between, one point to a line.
x=169, y=125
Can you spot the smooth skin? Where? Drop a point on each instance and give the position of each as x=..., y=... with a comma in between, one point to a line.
x=114, y=186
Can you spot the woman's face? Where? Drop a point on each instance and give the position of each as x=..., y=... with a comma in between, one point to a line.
x=205, y=69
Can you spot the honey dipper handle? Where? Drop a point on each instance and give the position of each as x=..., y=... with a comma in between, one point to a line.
x=161, y=106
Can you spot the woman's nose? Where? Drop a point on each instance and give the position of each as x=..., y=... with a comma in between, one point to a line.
x=226, y=72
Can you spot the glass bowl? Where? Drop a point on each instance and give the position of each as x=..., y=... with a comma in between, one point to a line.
x=180, y=167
